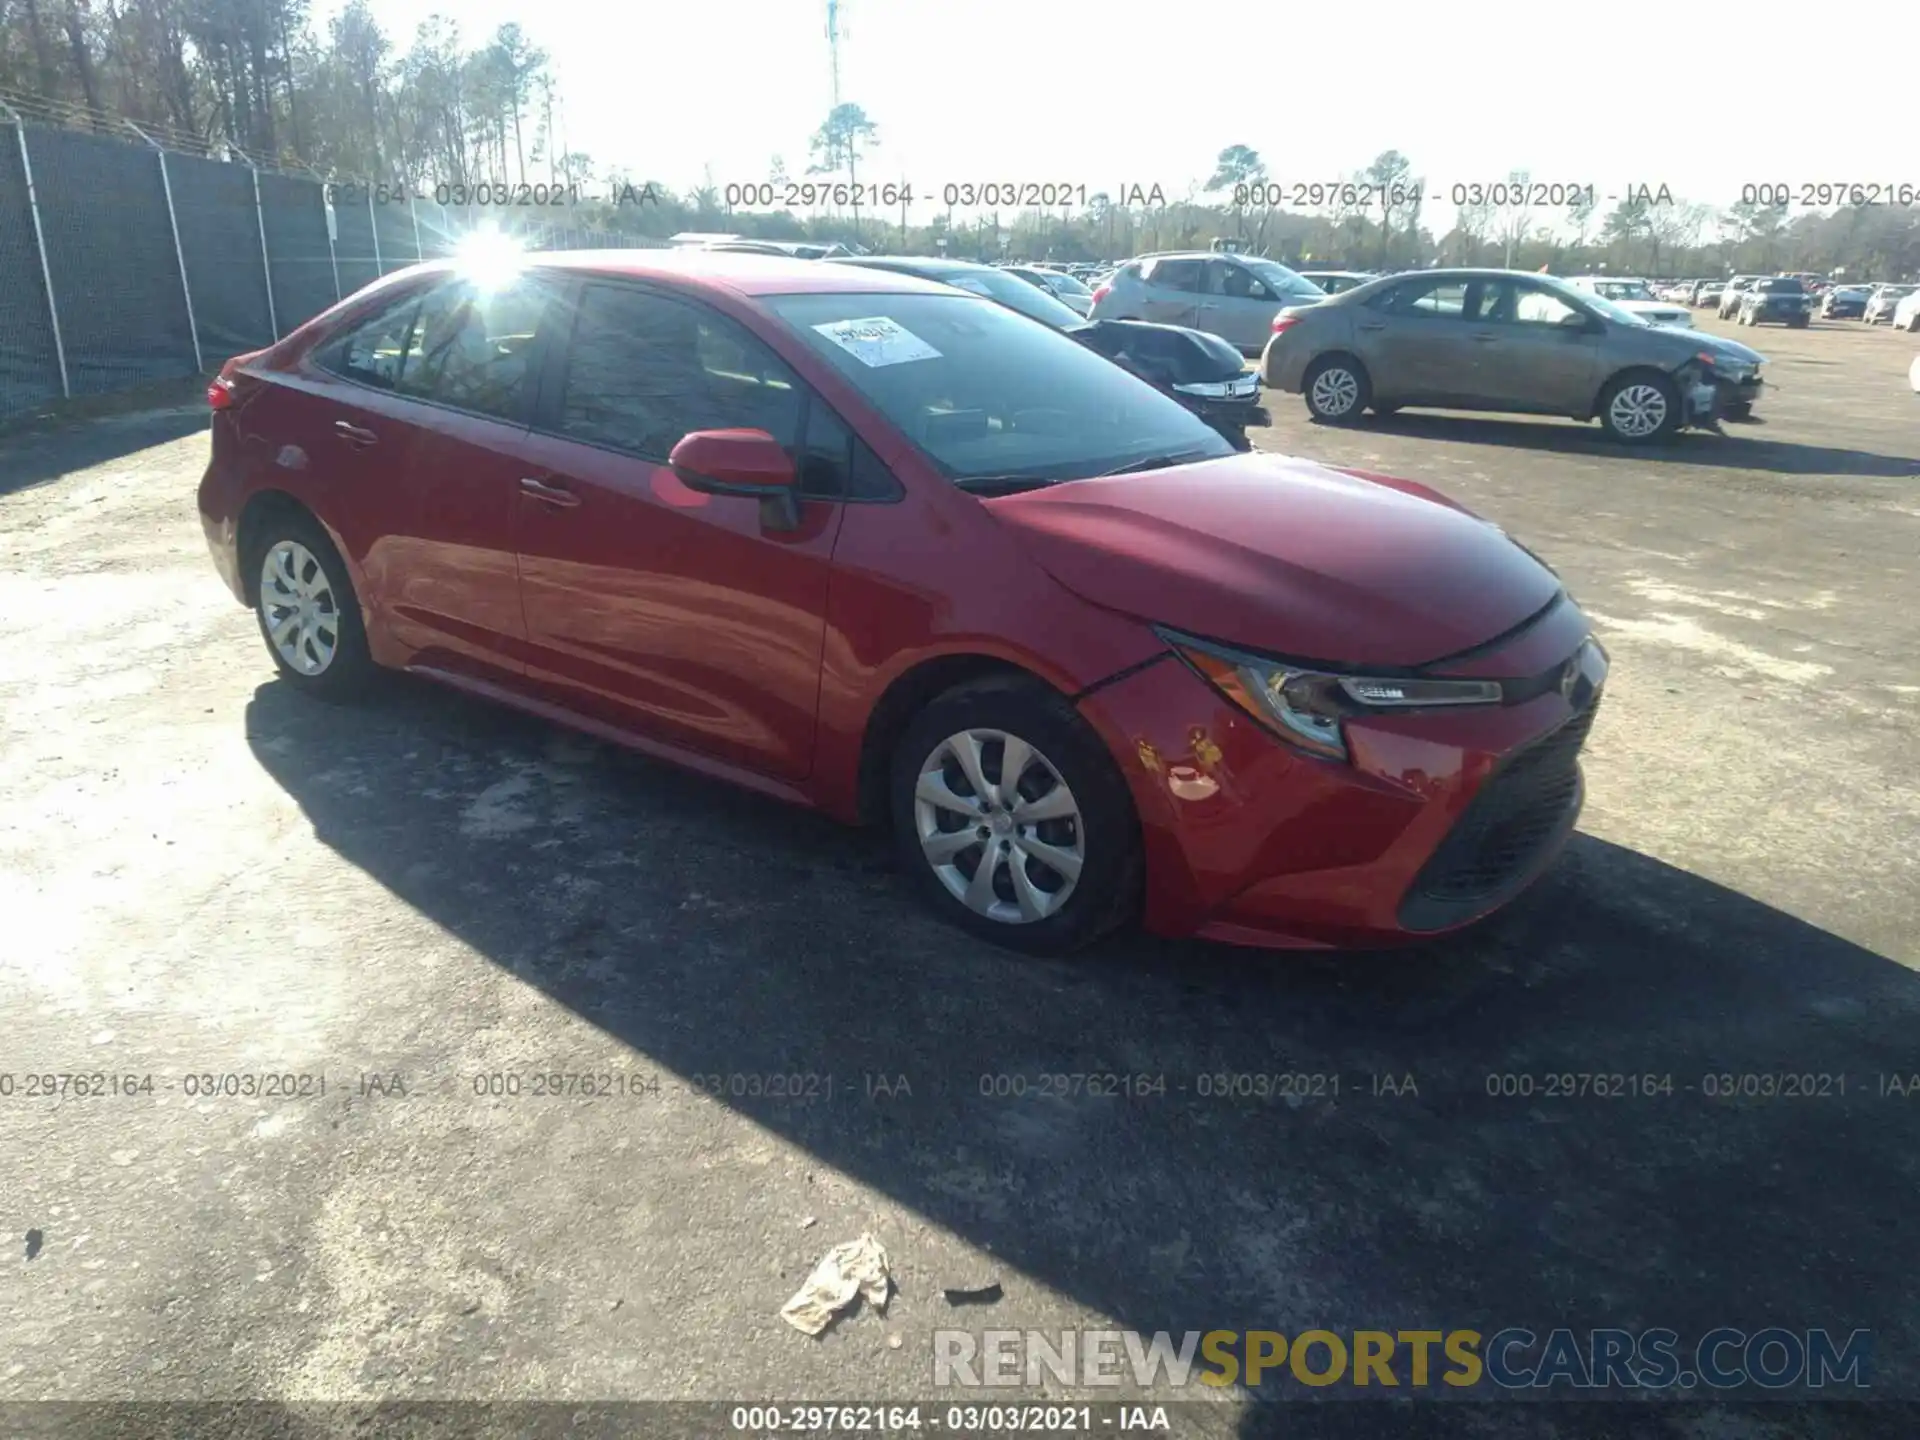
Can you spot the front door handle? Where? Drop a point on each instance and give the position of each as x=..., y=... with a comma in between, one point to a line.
x=1371, y=325
x=353, y=434
x=548, y=494
x=1484, y=339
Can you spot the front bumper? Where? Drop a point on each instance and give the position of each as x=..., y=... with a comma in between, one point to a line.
x=1439, y=818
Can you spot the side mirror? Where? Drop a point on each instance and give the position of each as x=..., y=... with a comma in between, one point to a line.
x=746, y=463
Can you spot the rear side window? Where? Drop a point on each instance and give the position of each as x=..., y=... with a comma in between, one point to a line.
x=643, y=371
x=1177, y=274
x=457, y=345
x=1446, y=300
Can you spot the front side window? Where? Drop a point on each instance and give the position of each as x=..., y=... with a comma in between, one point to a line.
x=643, y=371
x=1236, y=282
x=985, y=393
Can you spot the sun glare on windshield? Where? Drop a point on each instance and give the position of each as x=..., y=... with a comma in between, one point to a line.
x=489, y=259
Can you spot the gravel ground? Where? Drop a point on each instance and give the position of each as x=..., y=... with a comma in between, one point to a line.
x=201, y=874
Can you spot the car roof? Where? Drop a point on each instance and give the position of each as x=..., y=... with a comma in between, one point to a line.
x=918, y=265
x=739, y=272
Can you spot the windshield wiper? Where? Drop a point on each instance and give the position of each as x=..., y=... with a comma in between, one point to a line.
x=1155, y=462
x=1000, y=484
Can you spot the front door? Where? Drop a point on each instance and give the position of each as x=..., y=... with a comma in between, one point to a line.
x=1238, y=307
x=1544, y=355
x=670, y=613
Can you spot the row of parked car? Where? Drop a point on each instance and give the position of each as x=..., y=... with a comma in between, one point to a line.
x=1795, y=298
x=1612, y=349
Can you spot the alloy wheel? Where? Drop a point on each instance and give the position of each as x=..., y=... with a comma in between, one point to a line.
x=1638, y=411
x=1335, y=391
x=302, y=617
x=999, y=826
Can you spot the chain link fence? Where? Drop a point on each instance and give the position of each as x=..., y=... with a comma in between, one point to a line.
x=124, y=261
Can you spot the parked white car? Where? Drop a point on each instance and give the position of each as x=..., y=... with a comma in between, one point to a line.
x=1906, y=314
x=1881, y=302
x=1636, y=297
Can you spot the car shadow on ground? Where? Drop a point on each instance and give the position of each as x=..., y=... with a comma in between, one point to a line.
x=33, y=456
x=1741, y=447
x=1433, y=1176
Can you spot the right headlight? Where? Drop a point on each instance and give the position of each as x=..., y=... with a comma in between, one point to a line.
x=1308, y=708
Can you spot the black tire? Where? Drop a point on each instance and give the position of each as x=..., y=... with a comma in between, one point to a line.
x=1799, y=323
x=349, y=671
x=1106, y=893
x=1651, y=380
x=1356, y=386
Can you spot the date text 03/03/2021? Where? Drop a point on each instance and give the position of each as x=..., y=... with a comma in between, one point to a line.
x=486, y=194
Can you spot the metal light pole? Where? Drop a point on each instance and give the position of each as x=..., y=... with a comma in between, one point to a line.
x=40, y=240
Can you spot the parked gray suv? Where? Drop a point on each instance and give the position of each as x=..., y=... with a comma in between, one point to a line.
x=1232, y=296
x=1505, y=340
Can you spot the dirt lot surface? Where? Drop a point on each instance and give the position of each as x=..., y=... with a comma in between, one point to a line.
x=202, y=875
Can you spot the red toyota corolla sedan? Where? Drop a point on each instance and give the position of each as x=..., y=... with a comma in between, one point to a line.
x=891, y=550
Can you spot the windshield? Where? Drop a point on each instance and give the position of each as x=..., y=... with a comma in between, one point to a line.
x=1622, y=290
x=1787, y=285
x=1280, y=280
x=1069, y=283
x=987, y=394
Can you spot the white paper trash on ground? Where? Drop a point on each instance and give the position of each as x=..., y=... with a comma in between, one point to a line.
x=856, y=1268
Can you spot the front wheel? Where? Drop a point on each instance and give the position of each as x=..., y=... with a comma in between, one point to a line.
x=1013, y=820
x=1641, y=408
x=1336, y=389
x=308, y=613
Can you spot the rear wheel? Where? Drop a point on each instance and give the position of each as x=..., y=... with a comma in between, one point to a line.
x=1012, y=819
x=1336, y=389
x=1640, y=407
x=308, y=613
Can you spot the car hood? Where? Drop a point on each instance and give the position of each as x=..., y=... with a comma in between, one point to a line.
x=1720, y=345
x=1285, y=556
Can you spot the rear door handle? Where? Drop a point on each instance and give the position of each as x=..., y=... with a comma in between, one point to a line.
x=548, y=494
x=353, y=434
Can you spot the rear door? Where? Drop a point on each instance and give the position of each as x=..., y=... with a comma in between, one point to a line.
x=669, y=613
x=1171, y=291
x=407, y=423
x=1418, y=343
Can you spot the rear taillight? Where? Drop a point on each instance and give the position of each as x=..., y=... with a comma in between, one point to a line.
x=1284, y=322
x=1102, y=293
x=220, y=388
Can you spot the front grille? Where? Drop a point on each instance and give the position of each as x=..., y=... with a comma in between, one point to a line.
x=1522, y=811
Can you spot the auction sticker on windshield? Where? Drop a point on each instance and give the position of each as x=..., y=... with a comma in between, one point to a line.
x=878, y=341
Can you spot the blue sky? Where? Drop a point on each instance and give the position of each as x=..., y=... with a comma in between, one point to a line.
x=1105, y=93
